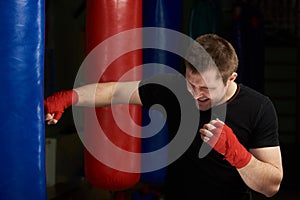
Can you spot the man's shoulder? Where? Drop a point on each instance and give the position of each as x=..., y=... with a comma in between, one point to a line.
x=252, y=93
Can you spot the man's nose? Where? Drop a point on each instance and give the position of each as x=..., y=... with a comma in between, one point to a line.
x=197, y=93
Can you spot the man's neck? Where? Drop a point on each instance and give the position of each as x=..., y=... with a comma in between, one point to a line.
x=231, y=90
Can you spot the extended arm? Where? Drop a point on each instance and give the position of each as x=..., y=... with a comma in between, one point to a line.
x=91, y=95
x=106, y=94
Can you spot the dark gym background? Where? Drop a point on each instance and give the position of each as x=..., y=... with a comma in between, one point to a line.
x=65, y=50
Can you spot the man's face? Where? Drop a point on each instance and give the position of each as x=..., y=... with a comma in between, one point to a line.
x=206, y=87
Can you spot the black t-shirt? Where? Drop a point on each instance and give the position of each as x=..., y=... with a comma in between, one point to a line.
x=249, y=114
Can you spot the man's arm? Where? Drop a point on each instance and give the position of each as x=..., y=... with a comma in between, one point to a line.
x=91, y=95
x=260, y=169
x=264, y=172
x=106, y=94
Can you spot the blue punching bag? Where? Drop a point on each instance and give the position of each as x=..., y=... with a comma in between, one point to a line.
x=161, y=14
x=22, y=174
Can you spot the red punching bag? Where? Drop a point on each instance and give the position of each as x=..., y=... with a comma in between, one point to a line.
x=105, y=19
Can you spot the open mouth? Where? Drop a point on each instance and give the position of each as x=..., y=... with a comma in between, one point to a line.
x=203, y=100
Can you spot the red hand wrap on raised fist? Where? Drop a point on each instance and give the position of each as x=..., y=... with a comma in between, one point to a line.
x=59, y=101
x=226, y=143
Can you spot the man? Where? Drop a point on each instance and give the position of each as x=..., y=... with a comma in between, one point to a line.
x=245, y=152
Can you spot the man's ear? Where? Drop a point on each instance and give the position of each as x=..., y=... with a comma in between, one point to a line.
x=233, y=76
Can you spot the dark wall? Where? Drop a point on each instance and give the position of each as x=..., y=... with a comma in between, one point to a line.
x=65, y=47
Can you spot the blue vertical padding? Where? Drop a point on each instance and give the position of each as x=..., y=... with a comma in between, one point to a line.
x=22, y=173
x=163, y=14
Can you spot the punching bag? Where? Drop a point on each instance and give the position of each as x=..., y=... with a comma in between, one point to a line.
x=22, y=174
x=161, y=14
x=103, y=20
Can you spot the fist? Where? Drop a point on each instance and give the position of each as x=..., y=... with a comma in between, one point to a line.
x=56, y=104
x=222, y=139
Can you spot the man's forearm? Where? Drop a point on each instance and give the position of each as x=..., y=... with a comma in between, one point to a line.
x=95, y=95
x=108, y=93
x=262, y=177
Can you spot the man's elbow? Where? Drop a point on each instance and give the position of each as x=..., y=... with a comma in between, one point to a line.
x=273, y=189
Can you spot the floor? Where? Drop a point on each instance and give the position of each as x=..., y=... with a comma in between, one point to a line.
x=84, y=191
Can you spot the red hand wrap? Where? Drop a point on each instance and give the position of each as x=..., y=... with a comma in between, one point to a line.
x=59, y=101
x=226, y=143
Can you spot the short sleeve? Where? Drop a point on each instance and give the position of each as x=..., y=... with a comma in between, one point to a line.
x=265, y=133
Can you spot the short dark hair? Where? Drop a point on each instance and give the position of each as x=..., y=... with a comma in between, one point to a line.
x=212, y=51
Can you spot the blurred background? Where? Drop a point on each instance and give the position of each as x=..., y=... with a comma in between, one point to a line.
x=269, y=62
